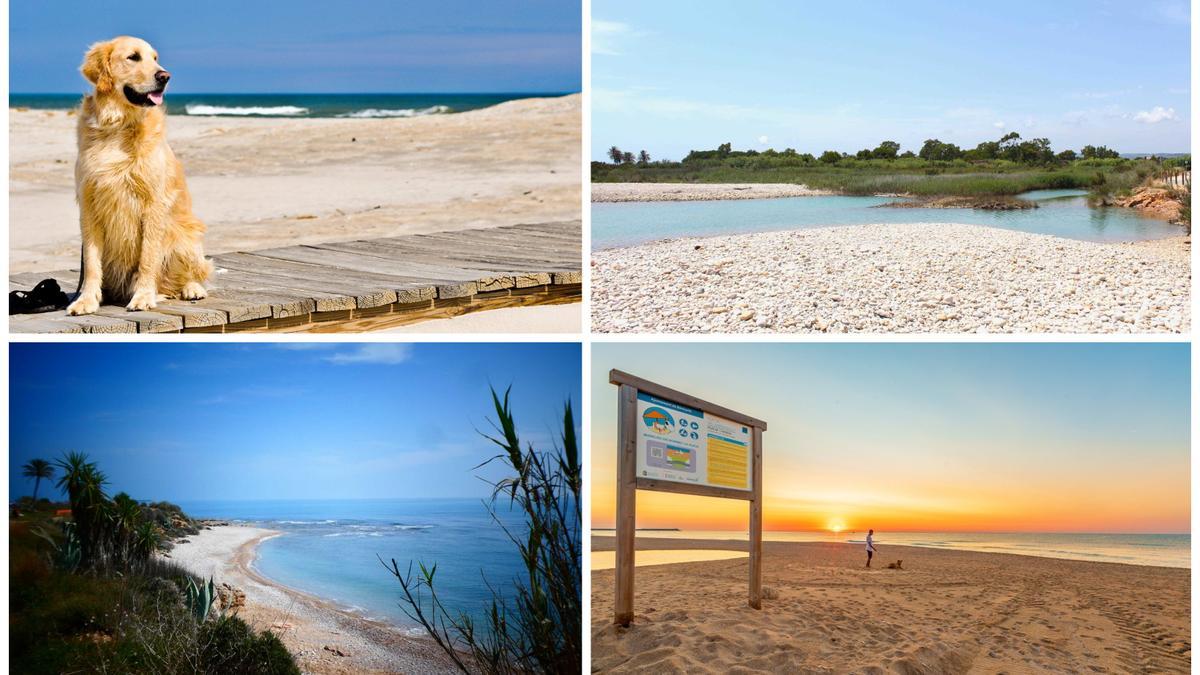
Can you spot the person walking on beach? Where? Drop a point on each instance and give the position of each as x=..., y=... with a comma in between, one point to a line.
x=870, y=546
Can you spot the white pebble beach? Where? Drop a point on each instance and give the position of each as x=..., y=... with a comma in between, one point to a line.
x=893, y=278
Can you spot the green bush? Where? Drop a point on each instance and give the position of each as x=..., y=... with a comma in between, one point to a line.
x=228, y=645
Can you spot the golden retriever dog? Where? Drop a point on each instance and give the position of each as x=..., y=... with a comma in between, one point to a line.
x=141, y=242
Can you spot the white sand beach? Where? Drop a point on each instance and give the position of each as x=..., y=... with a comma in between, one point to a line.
x=944, y=612
x=689, y=192
x=307, y=625
x=893, y=278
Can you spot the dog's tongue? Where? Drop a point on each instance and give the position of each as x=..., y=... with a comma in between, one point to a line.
x=155, y=97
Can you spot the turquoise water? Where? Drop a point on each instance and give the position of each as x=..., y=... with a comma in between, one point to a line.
x=1162, y=550
x=1062, y=213
x=296, y=105
x=330, y=548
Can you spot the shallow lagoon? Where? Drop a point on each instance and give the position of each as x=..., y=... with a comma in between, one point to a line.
x=1062, y=213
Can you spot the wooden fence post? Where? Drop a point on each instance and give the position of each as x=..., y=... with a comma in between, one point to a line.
x=626, y=502
x=756, y=522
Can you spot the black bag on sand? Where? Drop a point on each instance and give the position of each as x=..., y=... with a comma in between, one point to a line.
x=45, y=297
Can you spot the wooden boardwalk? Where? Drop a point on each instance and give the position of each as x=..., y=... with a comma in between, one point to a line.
x=350, y=286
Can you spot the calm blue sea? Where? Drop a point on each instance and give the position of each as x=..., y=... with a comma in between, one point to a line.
x=1162, y=550
x=1063, y=213
x=297, y=105
x=330, y=548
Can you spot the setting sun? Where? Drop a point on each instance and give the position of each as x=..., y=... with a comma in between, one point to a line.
x=836, y=526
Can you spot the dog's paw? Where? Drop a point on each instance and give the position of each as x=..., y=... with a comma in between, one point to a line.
x=84, y=304
x=193, y=291
x=143, y=300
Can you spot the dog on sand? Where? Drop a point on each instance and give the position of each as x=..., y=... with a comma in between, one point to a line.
x=141, y=241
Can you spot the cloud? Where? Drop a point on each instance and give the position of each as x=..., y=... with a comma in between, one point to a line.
x=1155, y=115
x=1178, y=13
x=383, y=353
x=762, y=140
x=608, y=35
x=998, y=124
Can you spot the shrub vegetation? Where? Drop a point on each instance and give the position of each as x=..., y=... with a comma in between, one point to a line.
x=87, y=593
x=1006, y=166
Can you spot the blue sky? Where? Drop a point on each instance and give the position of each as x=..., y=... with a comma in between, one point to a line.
x=814, y=76
x=282, y=421
x=353, y=46
x=955, y=436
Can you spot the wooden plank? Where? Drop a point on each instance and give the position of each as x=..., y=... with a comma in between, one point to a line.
x=434, y=256
x=620, y=377
x=368, y=290
x=693, y=489
x=756, y=522
x=324, y=298
x=561, y=278
x=146, y=322
x=461, y=247
x=236, y=309
x=93, y=323
x=281, y=305
x=367, y=263
x=626, y=502
x=194, y=317
x=39, y=323
x=25, y=281
x=408, y=256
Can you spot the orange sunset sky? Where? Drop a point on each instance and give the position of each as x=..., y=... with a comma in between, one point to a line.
x=928, y=437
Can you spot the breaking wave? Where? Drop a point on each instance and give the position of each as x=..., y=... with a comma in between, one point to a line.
x=271, y=111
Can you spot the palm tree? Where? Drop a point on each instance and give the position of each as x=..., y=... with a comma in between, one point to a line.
x=37, y=469
x=84, y=485
x=615, y=154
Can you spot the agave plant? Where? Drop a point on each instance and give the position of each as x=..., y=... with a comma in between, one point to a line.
x=65, y=555
x=200, y=598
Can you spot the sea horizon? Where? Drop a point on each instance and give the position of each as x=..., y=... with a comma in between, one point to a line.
x=353, y=105
x=1149, y=549
x=331, y=548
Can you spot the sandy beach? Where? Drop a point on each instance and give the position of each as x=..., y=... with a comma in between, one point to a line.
x=690, y=192
x=307, y=625
x=945, y=612
x=265, y=182
x=899, y=278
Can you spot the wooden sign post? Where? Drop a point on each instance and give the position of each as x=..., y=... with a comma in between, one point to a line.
x=673, y=442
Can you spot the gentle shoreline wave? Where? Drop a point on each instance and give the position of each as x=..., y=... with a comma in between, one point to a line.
x=403, y=112
x=200, y=109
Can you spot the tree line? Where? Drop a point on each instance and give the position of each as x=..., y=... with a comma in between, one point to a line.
x=1009, y=147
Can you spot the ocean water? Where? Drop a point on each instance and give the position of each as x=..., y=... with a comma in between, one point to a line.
x=297, y=105
x=1161, y=550
x=331, y=549
x=1063, y=213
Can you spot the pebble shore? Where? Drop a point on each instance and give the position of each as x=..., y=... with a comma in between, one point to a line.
x=694, y=192
x=893, y=278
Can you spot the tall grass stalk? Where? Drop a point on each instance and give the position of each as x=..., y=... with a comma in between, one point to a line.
x=536, y=626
